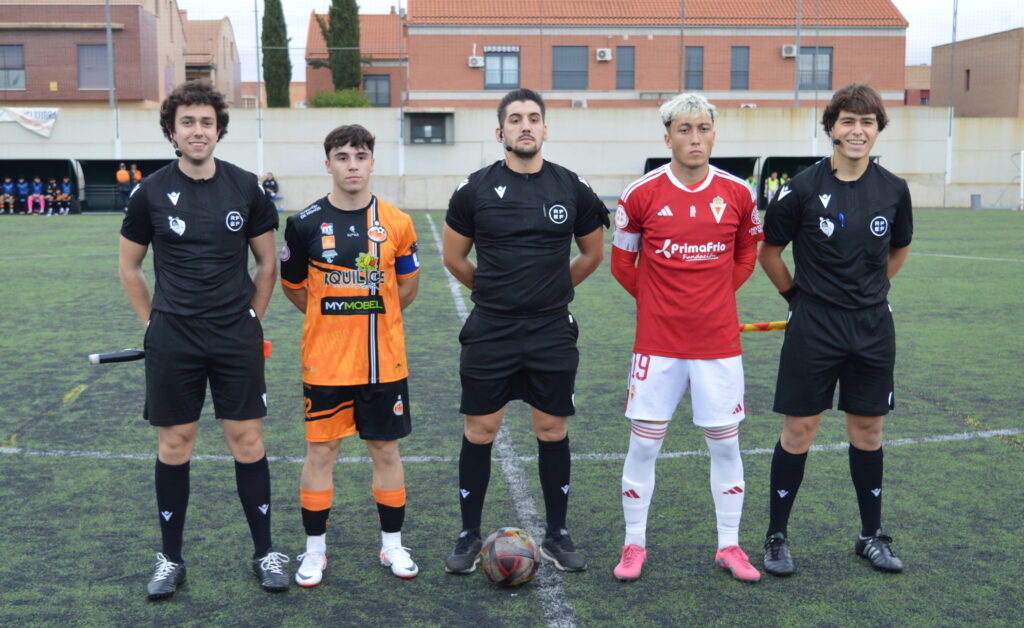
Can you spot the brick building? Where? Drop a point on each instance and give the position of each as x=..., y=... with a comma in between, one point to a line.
x=211, y=54
x=383, y=51
x=989, y=77
x=603, y=54
x=53, y=52
x=918, y=86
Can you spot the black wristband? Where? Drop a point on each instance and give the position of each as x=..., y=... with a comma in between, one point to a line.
x=789, y=294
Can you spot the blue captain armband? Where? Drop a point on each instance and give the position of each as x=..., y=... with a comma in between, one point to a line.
x=407, y=264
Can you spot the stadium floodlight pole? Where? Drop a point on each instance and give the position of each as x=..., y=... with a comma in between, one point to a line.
x=111, y=89
x=796, y=60
x=259, y=89
x=949, y=111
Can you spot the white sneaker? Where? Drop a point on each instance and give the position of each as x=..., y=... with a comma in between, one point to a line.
x=311, y=571
x=397, y=557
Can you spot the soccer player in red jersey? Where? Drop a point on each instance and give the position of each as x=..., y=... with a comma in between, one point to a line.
x=685, y=240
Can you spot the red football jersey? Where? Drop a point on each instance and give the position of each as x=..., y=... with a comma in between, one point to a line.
x=686, y=238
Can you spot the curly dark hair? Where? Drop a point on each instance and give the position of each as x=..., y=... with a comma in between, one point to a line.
x=199, y=92
x=515, y=96
x=856, y=98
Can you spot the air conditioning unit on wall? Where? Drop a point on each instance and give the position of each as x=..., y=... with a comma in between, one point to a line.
x=476, y=62
x=603, y=54
x=579, y=103
x=788, y=51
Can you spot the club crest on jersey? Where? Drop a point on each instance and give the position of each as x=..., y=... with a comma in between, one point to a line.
x=399, y=407
x=826, y=225
x=327, y=228
x=177, y=225
x=501, y=191
x=365, y=261
x=329, y=255
x=879, y=226
x=327, y=242
x=377, y=233
x=173, y=196
x=621, y=217
x=286, y=253
x=234, y=221
x=558, y=214
x=718, y=208
x=755, y=216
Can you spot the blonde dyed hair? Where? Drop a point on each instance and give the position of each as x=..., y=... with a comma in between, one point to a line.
x=687, y=105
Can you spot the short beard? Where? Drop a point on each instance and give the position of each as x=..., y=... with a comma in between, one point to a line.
x=523, y=153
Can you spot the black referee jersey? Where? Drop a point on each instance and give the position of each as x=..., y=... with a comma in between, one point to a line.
x=522, y=226
x=200, y=231
x=842, y=232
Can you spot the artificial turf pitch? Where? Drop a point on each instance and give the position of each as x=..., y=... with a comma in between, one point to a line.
x=78, y=531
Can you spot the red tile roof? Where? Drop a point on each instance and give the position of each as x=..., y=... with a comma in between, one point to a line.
x=380, y=37
x=850, y=13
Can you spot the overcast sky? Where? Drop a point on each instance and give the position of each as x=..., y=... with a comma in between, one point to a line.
x=931, y=23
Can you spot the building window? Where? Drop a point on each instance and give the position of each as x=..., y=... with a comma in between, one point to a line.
x=569, y=67
x=501, y=67
x=378, y=89
x=739, y=76
x=814, y=68
x=430, y=128
x=695, y=67
x=92, y=66
x=926, y=96
x=967, y=80
x=12, y=67
x=625, y=64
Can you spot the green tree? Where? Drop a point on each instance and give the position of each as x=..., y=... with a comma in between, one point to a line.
x=341, y=32
x=277, y=67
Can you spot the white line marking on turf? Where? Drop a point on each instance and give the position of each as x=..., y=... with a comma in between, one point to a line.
x=558, y=612
x=760, y=451
x=971, y=257
x=17, y=258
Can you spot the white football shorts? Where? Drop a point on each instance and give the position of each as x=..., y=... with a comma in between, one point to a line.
x=657, y=384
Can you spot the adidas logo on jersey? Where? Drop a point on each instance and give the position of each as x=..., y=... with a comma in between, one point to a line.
x=665, y=211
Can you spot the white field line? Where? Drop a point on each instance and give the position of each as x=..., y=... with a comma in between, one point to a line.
x=18, y=258
x=760, y=451
x=558, y=612
x=971, y=257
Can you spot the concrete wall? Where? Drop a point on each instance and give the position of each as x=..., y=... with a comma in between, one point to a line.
x=607, y=146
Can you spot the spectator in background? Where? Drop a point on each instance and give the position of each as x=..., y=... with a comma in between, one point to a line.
x=270, y=186
x=7, y=196
x=50, y=191
x=36, y=195
x=771, y=186
x=136, y=174
x=64, y=197
x=784, y=179
x=22, y=189
x=124, y=185
x=752, y=184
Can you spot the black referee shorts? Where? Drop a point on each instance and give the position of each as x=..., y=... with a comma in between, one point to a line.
x=505, y=358
x=183, y=353
x=825, y=344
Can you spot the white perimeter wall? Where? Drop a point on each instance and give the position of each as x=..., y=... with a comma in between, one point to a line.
x=607, y=146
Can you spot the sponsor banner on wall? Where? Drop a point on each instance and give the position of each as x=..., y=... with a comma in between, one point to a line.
x=39, y=120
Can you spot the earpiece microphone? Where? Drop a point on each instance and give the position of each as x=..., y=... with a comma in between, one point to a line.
x=837, y=142
x=177, y=151
x=501, y=138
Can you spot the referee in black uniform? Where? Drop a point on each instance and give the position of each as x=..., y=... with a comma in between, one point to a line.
x=522, y=214
x=202, y=217
x=850, y=223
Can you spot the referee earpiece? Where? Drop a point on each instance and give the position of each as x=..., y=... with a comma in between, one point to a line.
x=177, y=151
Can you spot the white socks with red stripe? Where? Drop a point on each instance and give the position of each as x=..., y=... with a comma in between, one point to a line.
x=638, y=478
x=726, y=481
